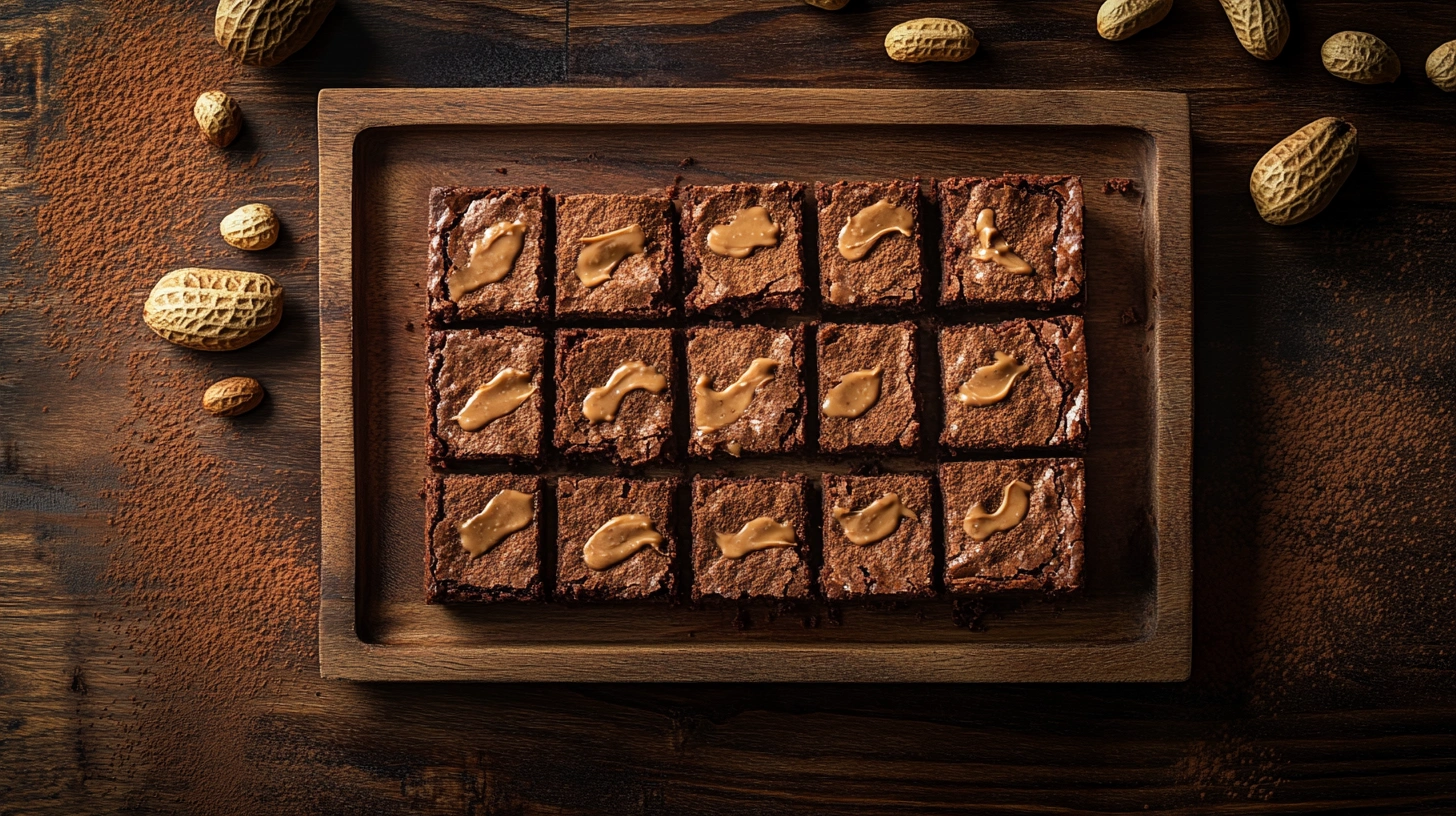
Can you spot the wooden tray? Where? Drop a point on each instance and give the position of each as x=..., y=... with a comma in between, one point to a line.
x=380, y=151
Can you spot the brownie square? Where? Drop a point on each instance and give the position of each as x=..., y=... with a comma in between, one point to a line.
x=1039, y=218
x=467, y=362
x=891, y=556
x=586, y=506
x=642, y=284
x=1044, y=406
x=1041, y=551
x=773, y=420
x=890, y=274
x=892, y=422
x=461, y=216
x=510, y=570
x=587, y=359
x=722, y=508
x=769, y=277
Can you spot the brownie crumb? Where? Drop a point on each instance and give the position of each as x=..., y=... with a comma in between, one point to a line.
x=1121, y=186
x=688, y=162
x=501, y=170
x=1131, y=316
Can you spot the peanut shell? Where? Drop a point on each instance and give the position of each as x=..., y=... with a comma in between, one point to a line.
x=1441, y=66
x=1120, y=19
x=931, y=39
x=266, y=32
x=1360, y=57
x=219, y=117
x=232, y=396
x=213, y=309
x=1262, y=26
x=1299, y=177
x=251, y=226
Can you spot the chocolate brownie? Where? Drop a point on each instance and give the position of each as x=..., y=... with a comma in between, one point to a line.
x=614, y=394
x=870, y=244
x=1018, y=384
x=466, y=221
x=642, y=283
x=748, y=539
x=614, y=539
x=760, y=364
x=497, y=374
x=1027, y=515
x=1027, y=252
x=855, y=362
x=889, y=555
x=507, y=569
x=764, y=264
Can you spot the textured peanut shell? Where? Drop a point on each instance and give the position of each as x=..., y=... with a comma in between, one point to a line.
x=1360, y=57
x=213, y=309
x=266, y=32
x=931, y=39
x=251, y=226
x=1262, y=26
x=232, y=396
x=1299, y=177
x=1120, y=19
x=828, y=5
x=219, y=117
x=1441, y=66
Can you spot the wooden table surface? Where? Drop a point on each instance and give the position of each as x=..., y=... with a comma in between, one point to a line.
x=158, y=568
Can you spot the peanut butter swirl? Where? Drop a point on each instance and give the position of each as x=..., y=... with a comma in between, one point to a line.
x=746, y=231
x=505, y=513
x=492, y=257
x=994, y=247
x=603, y=252
x=601, y=404
x=865, y=228
x=1015, y=499
x=717, y=409
x=857, y=392
x=619, y=539
x=990, y=384
x=876, y=522
x=505, y=392
x=760, y=534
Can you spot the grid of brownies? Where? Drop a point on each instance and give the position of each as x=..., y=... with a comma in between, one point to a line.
x=594, y=361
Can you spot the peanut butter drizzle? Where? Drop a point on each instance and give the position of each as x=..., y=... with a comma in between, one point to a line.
x=505, y=513
x=492, y=257
x=876, y=522
x=601, y=404
x=603, y=252
x=994, y=247
x=856, y=393
x=760, y=534
x=990, y=384
x=716, y=409
x=503, y=394
x=746, y=231
x=619, y=539
x=733, y=448
x=865, y=228
x=980, y=525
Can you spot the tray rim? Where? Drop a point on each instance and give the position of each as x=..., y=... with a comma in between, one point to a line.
x=1164, y=654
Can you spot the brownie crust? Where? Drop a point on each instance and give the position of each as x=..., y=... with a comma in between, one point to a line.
x=771, y=277
x=510, y=571
x=1046, y=407
x=724, y=506
x=458, y=215
x=1041, y=219
x=1043, y=552
x=774, y=420
x=892, y=274
x=641, y=285
x=582, y=507
x=642, y=429
x=892, y=424
x=900, y=566
x=460, y=362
